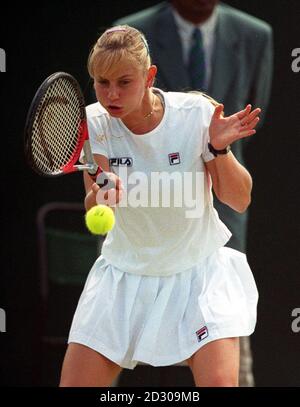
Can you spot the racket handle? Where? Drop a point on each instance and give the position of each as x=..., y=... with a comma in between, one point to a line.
x=102, y=179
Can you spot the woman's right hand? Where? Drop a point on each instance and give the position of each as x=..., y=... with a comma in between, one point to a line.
x=112, y=196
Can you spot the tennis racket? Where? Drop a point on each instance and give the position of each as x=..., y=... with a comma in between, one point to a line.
x=56, y=131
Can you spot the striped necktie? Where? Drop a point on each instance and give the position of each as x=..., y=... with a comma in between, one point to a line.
x=196, y=66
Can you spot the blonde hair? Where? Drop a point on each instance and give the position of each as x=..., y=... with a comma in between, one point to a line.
x=116, y=45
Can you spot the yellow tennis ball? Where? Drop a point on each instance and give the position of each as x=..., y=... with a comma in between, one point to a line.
x=100, y=219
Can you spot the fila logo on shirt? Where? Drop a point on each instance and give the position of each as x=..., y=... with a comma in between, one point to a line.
x=120, y=162
x=174, y=158
x=202, y=333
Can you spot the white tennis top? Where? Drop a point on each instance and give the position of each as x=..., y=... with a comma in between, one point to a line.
x=165, y=222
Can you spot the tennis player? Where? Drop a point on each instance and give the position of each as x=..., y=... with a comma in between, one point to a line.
x=165, y=289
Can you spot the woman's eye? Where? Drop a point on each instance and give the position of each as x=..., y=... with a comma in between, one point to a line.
x=102, y=82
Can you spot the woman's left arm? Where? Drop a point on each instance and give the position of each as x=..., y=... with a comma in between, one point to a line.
x=231, y=181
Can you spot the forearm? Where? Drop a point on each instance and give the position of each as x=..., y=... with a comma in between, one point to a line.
x=232, y=183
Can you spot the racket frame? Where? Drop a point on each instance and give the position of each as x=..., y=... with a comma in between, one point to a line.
x=83, y=142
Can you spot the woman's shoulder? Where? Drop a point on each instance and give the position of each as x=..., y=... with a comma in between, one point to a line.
x=95, y=110
x=186, y=100
x=98, y=118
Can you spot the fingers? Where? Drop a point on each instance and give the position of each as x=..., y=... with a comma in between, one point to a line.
x=248, y=121
x=218, y=110
x=108, y=180
x=244, y=134
x=248, y=130
x=250, y=125
x=111, y=193
x=118, y=183
x=115, y=180
x=245, y=112
x=250, y=117
x=95, y=188
x=253, y=123
x=110, y=197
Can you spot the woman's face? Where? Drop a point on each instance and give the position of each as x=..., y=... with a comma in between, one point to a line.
x=122, y=91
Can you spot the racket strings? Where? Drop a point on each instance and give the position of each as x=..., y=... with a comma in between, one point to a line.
x=56, y=127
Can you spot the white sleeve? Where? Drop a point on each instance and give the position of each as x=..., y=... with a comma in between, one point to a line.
x=97, y=138
x=208, y=111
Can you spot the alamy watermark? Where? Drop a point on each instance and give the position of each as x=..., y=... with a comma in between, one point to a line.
x=296, y=62
x=2, y=60
x=2, y=320
x=296, y=322
x=161, y=190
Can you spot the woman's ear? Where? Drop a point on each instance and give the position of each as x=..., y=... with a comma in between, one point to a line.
x=151, y=76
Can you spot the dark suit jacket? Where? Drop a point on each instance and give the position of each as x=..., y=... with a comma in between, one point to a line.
x=241, y=72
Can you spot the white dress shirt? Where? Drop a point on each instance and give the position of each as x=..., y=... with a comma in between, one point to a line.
x=208, y=29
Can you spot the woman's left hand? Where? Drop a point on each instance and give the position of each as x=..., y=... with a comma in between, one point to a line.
x=225, y=130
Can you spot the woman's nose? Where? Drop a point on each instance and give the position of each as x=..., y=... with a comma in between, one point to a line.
x=113, y=93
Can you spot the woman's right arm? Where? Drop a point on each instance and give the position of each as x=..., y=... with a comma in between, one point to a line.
x=91, y=188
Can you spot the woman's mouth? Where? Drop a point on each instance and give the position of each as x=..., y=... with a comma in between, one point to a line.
x=113, y=108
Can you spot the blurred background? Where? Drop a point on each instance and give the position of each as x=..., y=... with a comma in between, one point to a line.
x=57, y=36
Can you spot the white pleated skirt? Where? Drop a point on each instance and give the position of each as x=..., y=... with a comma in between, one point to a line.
x=164, y=320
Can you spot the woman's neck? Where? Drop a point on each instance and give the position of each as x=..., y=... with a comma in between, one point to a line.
x=150, y=120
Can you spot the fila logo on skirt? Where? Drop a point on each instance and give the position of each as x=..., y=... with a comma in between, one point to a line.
x=202, y=333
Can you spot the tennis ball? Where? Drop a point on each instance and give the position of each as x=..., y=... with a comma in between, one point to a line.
x=100, y=219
